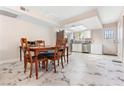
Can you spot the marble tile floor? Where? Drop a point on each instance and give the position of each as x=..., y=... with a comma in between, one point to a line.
x=82, y=70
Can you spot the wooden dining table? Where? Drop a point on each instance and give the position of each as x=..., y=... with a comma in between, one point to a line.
x=36, y=50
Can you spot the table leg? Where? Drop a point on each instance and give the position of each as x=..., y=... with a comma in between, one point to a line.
x=20, y=54
x=67, y=54
x=36, y=64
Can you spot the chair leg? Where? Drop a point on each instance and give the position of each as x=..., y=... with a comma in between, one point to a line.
x=47, y=65
x=30, y=70
x=25, y=65
x=61, y=58
x=54, y=66
x=43, y=64
x=64, y=58
x=39, y=64
x=62, y=62
x=58, y=62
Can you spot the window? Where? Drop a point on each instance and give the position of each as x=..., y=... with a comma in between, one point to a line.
x=108, y=34
x=81, y=35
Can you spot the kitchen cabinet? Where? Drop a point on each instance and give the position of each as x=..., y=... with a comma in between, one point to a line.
x=77, y=47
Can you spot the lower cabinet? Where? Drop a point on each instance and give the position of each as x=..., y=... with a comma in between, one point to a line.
x=77, y=47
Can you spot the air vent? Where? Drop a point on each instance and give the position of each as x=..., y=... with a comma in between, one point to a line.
x=23, y=9
x=7, y=13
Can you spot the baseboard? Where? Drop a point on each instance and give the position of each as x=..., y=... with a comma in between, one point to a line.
x=9, y=61
x=110, y=54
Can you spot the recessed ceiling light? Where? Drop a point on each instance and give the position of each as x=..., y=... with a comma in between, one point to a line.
x=52, y=16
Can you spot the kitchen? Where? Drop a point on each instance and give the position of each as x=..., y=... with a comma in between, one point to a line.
x=83, y=40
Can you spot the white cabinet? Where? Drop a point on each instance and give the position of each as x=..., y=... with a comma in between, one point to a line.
x=77, y=47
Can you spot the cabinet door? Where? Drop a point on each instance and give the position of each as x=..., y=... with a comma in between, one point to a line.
x=79, y=47
x=74, y=47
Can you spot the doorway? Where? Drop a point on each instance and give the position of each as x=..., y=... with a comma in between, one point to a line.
x=110, y=39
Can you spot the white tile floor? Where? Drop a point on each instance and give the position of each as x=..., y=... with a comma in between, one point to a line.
x=83, y=70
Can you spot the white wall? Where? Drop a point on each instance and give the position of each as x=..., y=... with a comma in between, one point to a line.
x=97, y=36
x=11, y=30
x=121, y=38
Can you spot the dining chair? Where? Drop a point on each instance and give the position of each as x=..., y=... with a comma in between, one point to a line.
x=41, y=43
x=28, y=58
x=63, y=44
x=54, y=56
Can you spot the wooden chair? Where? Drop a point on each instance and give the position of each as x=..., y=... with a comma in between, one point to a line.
x=63, y=49
x=54, y=56
x=41, y=43
x=28, y=58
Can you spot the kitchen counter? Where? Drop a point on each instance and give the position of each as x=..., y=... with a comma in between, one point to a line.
x=81, y=47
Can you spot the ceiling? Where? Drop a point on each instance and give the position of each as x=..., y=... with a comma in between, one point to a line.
x=105, y=14
x=90, y=23
x=62, y=12
x=109, y=14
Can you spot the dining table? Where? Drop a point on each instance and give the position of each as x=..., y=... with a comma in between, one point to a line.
x=37, y=49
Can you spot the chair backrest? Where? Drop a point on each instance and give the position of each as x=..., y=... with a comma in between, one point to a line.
x=64, y=42
x=40, y=43
x=26, y=50
x=57, y=53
